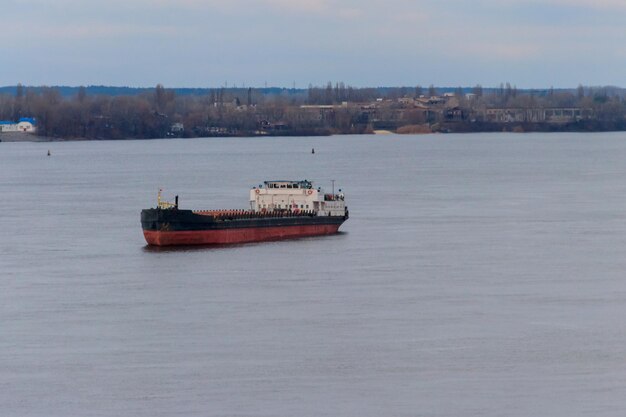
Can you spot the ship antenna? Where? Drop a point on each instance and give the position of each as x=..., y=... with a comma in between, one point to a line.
x=333, y=181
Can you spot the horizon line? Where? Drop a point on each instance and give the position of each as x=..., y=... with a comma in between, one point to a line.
x=425, y=87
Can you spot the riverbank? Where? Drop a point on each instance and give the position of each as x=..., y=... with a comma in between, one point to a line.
x=422, y=129
x=23, y=137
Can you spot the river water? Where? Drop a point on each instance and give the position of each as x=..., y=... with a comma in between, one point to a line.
x=478, y=275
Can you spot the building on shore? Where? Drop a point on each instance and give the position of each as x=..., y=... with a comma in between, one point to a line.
x=537, y=115
x=23, y=125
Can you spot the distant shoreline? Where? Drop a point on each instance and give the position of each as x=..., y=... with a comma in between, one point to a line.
x=31, y=138
x=24, y=137
x=316, y=111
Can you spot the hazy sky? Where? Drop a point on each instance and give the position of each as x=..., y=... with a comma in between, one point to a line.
x=208, y=43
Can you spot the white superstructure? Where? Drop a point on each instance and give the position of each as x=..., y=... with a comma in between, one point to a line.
x=296, y=196
x=25, y=124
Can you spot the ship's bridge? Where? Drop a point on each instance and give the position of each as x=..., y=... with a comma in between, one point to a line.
x=304, y=184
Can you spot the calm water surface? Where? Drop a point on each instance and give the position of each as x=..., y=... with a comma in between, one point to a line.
x=479, y=275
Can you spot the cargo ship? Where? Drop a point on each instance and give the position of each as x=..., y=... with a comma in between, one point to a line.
x=278, y=210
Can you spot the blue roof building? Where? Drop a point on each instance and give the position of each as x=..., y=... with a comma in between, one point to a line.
x=30, y=120
x=25, y=124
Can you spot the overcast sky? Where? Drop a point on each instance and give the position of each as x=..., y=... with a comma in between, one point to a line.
x=208, y=43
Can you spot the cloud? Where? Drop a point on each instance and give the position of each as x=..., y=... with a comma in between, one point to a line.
x=594, y=4
x=606, y=5
x=80, y=31
x=334, y=7
x=301, y=6
x=501, y=51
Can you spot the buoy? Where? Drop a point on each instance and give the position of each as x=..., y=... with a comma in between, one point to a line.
x=49, y=152
x=313, y=150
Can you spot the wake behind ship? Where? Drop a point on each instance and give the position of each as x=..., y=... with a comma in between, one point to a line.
x=278, y=210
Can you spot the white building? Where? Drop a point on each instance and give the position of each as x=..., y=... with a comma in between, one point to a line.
x=25, y=124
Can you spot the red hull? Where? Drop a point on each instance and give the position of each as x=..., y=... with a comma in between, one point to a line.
x=225, y=236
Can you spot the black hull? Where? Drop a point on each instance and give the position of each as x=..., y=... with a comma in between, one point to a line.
x=187, y=220
x=169, y=227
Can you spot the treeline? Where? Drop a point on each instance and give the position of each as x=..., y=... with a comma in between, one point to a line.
x=160, y=112
x=605, y=106
x=151, y=114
